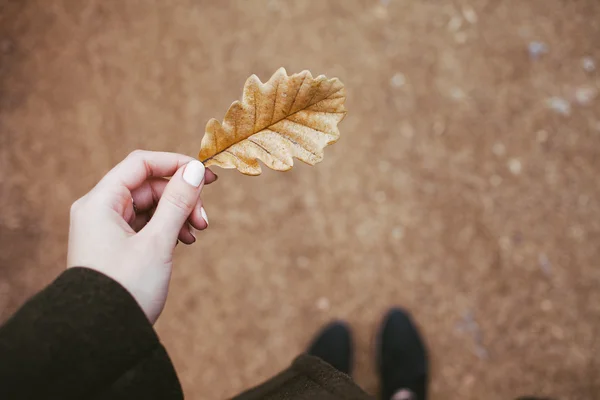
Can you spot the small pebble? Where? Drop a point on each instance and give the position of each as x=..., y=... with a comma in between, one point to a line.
x=361, y=231
x=585, y=95
x=380, y=11
x=514, y=165
x=544, y=263
x=524, y=31
x=557, y=332
x=455, y=23
x=499, y=149
x=469, y=14
x=588, y=64
x=495, y=180
x=439, y=127
x=273, y=5
x=559, y=105
x=403, y=394
x=504, y=242
x=481, y=352
x=398, y=232
x=407, y=130
x=468, y=380
x=517, y=238
x=323, y=304
x=398, y=80
x=384, y=166
x=457, y=94
x=546, y=305
x=460, y=37
x=537, y=49
x=576, y=232
x=310, y=199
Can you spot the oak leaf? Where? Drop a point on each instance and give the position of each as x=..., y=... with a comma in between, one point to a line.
x=286, y=117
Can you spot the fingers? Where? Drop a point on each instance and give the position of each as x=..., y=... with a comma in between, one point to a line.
x=179, y=198
x=147, y=196
x=210, y=177
x=186, y=234
x=140, y=220
x=140, y=165
x=198, y=219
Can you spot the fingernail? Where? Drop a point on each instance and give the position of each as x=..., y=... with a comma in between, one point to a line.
x=194, y=173
x=203, y=213
x=192, y=232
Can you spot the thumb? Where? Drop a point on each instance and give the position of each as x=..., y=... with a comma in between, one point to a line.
x=177, y=202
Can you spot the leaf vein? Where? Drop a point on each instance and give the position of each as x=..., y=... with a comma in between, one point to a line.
x=255, y=107
x=321, y=112
x=229, y=152
x=296, y=95
x=318, y=107
x=262, y=147
x=308, y=104
x=293, y=141
x=308, y=126
x=274, y=104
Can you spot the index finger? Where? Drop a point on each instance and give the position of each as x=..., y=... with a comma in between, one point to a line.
x=140, y=165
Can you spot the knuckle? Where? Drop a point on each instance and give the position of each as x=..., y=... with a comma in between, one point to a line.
x=140, y=157
x=179, y=201
x=76, y=206
x=137, y=153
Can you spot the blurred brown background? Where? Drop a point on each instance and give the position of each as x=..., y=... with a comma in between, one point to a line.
x=465, y=186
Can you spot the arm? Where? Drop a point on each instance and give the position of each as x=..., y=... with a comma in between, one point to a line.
x=89, y=334
x=77, y=336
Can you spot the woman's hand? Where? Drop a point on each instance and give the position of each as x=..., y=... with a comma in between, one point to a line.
x=128, y=225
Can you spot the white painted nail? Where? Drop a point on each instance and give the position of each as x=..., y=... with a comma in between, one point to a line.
x=203, y=213
x=194, y=173
x=192, y=231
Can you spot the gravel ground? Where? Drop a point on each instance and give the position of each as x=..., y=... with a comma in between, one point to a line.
x=464, y=187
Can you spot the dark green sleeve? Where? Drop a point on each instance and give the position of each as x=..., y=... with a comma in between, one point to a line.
x=83, y=337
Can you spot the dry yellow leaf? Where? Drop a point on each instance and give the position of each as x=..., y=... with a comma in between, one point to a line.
x=286, y=117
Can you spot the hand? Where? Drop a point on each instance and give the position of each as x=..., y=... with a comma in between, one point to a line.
x=128, y=225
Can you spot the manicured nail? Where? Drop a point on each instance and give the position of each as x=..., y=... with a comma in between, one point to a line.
x=204, y=216
x=194, y=173
x=192, y=232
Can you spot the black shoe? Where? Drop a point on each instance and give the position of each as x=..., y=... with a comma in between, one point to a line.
x=333, y=345
x=401, y=358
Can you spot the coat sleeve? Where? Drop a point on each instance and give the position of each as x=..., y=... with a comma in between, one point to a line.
x=308, y=378
x=82, y=336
